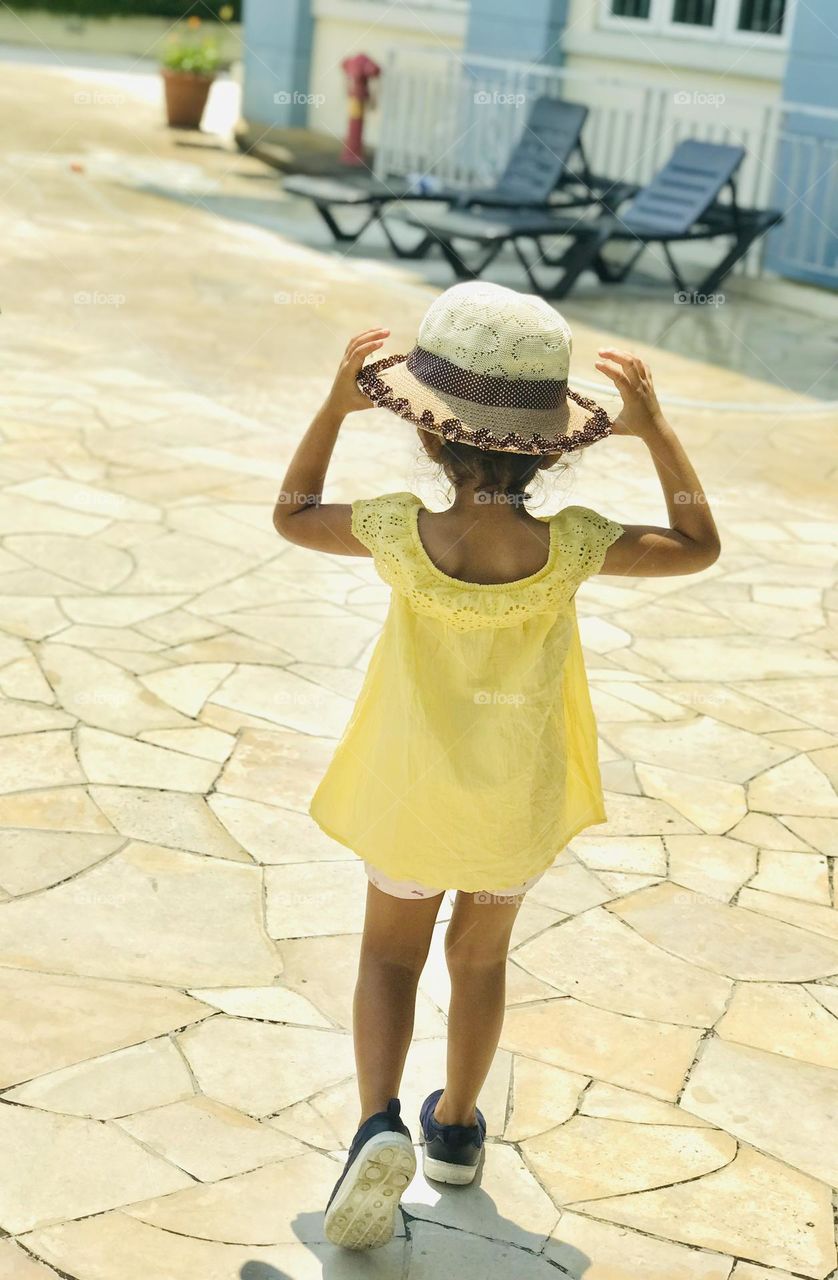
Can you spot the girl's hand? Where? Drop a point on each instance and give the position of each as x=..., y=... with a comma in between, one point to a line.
x=641, y=414
x=344, y=396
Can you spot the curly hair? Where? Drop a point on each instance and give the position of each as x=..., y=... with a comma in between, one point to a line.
x=491, y=471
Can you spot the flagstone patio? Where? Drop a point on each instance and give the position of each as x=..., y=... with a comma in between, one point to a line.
x=178, y=941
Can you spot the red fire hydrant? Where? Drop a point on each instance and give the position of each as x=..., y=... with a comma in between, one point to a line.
x=359, y=70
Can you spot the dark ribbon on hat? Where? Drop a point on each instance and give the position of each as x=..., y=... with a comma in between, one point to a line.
x=482, y=388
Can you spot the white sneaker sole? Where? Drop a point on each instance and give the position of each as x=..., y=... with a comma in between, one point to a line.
x=458, y=1175
x=363, y=1213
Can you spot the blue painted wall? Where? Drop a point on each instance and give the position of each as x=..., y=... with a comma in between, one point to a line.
x=523, y=31
x=278, y=38
x=807, y=155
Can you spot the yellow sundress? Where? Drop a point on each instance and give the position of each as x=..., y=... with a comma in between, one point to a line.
x=470, y=758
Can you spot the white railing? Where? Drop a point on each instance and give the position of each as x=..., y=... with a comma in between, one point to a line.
x=458, y=116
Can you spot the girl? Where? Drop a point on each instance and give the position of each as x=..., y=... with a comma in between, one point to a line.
x=470, y=758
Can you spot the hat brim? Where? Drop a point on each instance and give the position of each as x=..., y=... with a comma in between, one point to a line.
x=578, y=422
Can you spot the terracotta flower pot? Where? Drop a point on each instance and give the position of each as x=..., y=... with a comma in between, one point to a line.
x=186, y=97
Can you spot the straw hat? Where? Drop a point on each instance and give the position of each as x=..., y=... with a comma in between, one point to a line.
x=490, y=369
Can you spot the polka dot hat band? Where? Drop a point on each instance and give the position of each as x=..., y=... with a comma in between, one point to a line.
x=490, y=369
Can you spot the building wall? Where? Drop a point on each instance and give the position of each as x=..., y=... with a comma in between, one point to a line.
x=277, y=58
x=694, y=62
x=373, y=27
x=806, y=247
x=571, y=32
x=524, y=31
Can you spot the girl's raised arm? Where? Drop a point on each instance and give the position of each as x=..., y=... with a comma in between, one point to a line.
x=691, y=543
x=299, y=514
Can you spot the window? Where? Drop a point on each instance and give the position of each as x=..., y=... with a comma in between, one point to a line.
x=767, y=16
x=631, y=8
x=759, y=22
x=698, y=13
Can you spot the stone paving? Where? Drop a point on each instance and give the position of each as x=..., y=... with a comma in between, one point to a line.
x=177, y=940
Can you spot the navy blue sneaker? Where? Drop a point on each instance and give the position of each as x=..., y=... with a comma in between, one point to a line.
x=361, y=1213
x=451, y=1152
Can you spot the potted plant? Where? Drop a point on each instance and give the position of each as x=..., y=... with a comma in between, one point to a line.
x=190, y=65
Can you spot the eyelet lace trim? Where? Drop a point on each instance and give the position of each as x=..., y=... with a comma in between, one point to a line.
x=385, y=525
x=376, y=389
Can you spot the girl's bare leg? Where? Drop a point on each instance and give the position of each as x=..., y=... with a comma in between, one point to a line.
x=476, y=946
x=395, y=945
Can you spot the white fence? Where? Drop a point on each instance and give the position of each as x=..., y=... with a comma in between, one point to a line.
x=457, y=116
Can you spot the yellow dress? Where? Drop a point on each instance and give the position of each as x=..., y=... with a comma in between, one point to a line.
x=470, y=758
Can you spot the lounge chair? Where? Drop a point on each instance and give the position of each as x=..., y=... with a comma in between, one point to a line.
x=679, y=205
x=539, y=166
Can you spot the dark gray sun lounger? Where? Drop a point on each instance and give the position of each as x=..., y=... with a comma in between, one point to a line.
x=547, y=158
x=680, y=204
